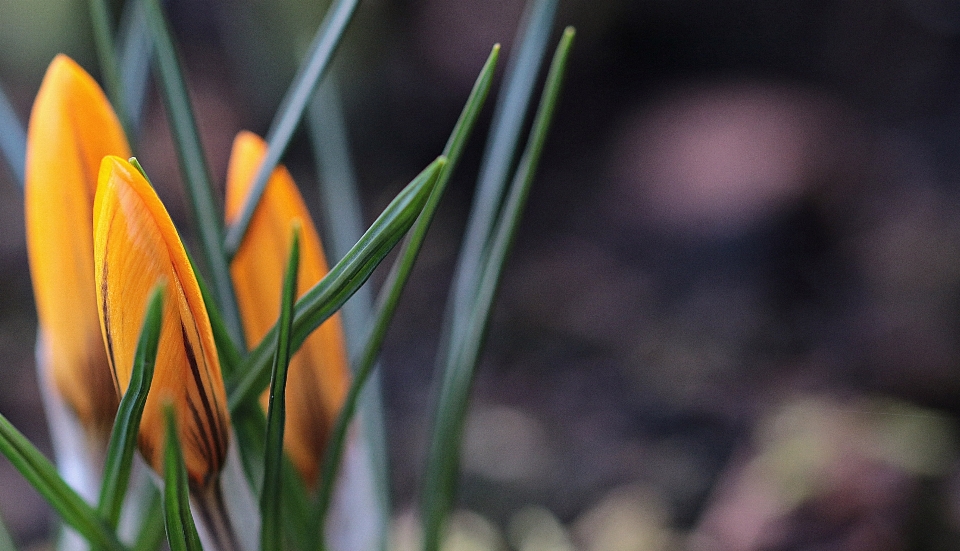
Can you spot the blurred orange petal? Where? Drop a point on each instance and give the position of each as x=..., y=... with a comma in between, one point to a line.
x=318, y=378
x=136, y=246
x=72, y=127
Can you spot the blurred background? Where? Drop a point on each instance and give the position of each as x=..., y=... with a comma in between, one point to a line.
x=732, y=317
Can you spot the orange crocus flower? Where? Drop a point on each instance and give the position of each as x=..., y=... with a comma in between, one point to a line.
x=318, y=377
x=135, y=247
x=72, y=127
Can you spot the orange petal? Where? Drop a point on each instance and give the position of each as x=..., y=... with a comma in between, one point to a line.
x=318, y=377
x=135, y=246
x=72, y=127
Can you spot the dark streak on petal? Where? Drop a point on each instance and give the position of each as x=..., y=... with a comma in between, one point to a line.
x=106, y=319
x=213, y=442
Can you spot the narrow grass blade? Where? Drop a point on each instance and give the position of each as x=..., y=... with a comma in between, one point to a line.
x=444, y=455
x=327, y=296
x=151, y=532
x=230, y=356
x=468, y=117
x=343, y=217
x=135, y=51
x=13, y=139
x=123, y=438
x=42, y=475
x=291, y=109
x=6, y=542
x=250, y=426
x=109, y=62
x=271, y=535
x=393, y=288
x=196, y=175
x=181, y=530
x=296, y=508
x=339, y=196
x=523, y=69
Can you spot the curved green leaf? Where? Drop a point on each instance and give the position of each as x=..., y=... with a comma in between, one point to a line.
x=151, y=532
x=135, y=51
x=291, y=110
x=109, y=62
x=126, y=427
x=443, y=458
x=343, y=226
x=181, y=530
x=42, y=475
x=327, y=296
x=393, y=287
x=196, y=175
x=522, y=71
x=271, y=535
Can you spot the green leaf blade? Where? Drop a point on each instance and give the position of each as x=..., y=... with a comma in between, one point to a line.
x=271, y=534
x=291, y=111
x=42, y=475
x=109, y=62
x=230, y=355
x=126, y=427
x=13, y=139
x=443, y=459
x=196, y=175
x=135, y=52
x=151, y=533
x=499, y=154
x=250, y=425
x=181, y=530
x=327, y=296
x=396, y=281
x=343, y=220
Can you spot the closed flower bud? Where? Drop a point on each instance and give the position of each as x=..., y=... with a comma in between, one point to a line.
x=72, y=127
x=318, y=376
x=135, y=246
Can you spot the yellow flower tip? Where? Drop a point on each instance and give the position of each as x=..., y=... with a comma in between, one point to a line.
x=72, y=127
x=318, y=378
x=135, y=247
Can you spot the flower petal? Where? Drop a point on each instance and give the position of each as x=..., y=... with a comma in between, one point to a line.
x=72, y=127
x=135, y=246
x=318, y=377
